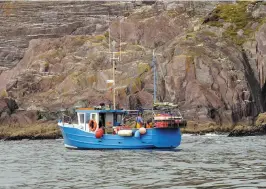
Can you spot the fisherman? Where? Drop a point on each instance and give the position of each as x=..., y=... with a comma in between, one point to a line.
x=149, y=123
x=139, y=121
x=101, y=122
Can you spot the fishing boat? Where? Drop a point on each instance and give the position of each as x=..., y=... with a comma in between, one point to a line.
x=105, y=127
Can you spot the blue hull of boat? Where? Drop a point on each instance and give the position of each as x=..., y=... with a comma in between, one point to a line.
x=154, y=138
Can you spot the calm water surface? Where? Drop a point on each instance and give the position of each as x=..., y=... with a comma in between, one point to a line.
x=200, y=162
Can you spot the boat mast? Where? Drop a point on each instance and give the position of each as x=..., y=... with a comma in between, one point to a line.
x=113, y=61
x=113, y=58
x=154, y=77
x=109, y=31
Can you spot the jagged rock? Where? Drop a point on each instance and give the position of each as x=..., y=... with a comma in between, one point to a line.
x=8, y=105
x=211, y=17
x=259, y=12
x=209, y=77
x=11, y=104
x=81, y=104
x=171, y=6
x=240, y=33
x=23, y=21
x=248, y=131
x=3, y=106
x=134, y=102
x=11, y=116
x=258, y=129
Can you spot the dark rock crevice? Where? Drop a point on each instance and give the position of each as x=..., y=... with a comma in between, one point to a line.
x=263, y=93
x=7, y=105
x=254, y=86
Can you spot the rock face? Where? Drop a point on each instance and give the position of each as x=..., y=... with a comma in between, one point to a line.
x=64, y=58
x=24, y=21
x=248, y=131
x=7, y=106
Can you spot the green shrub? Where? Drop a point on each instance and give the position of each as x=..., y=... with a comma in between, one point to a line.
x=215, y=24
x=172, y=13
x=3, y=94
x=106, y=34
x=234, y=13
x=46, y=67
x=98, y=38
x=143, y=67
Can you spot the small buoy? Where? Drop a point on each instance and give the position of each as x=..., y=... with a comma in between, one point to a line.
x=99, y=133
x=142, y=130
x=137, y=134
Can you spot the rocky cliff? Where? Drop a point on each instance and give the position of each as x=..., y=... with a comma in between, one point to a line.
x=210, y=57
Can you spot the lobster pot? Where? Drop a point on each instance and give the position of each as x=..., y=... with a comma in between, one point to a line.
x=125, y=133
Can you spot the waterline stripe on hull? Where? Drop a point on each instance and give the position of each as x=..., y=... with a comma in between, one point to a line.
x=111, y=145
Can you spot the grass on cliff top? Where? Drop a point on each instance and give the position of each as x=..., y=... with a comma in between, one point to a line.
x=79, y=40
x=234, y=13
x=34, y=131
x=239, y=18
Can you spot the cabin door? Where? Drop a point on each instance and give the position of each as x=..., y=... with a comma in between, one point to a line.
x=101, y=120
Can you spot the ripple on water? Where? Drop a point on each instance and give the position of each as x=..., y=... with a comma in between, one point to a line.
x=200, y=162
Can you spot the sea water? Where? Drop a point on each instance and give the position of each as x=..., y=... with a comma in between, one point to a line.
x=210, y=161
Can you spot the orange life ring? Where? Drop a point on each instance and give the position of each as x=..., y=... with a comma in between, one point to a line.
x=92, y=125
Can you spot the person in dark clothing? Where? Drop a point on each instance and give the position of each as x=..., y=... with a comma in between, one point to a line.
x=100, y=123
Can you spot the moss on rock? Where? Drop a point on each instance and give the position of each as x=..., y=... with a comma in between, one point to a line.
x=261, y=119
x=238, y=16
x=143, y=67
x=33, y=131
x=3, y=94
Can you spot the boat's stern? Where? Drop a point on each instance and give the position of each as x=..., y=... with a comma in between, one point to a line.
x=166, y=137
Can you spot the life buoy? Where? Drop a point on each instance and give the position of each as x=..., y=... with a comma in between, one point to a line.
x=92, y=125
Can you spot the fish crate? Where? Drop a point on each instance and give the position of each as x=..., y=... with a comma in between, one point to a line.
x=170, y=124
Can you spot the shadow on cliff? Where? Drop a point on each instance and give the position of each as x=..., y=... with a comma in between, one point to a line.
x=257, y=97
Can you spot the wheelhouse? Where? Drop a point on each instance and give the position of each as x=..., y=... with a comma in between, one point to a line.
x=103, y=118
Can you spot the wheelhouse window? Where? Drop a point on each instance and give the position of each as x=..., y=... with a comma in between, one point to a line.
x=119, y=118
x=93, y=116
x=81, y=118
